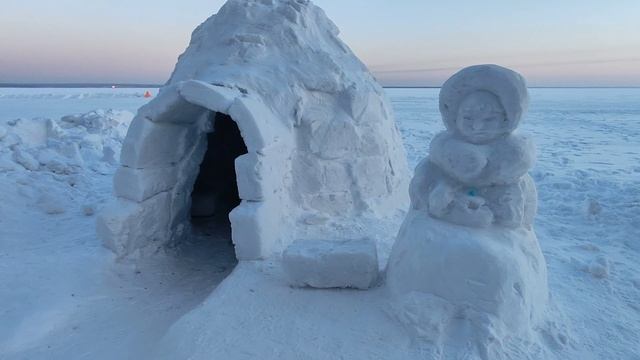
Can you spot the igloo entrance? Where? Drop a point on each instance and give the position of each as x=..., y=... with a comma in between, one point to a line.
x=215, y=191
x=173, y=160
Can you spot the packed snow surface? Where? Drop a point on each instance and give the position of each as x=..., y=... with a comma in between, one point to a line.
x=64, y=297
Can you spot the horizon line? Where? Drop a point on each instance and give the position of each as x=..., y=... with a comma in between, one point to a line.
x=77, y=85
x=147, y=85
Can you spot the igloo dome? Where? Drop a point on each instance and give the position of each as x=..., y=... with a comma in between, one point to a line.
x=268, y=120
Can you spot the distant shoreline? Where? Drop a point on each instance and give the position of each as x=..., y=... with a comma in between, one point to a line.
x=135, y=86
x=530, y=87
x=75, y=86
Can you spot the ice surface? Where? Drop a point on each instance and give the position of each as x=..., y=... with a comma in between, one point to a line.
x=331, y=263
x=54, y=103
x=63, y=295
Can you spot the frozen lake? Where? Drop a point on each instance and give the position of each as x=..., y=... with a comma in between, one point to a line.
x=588, y=179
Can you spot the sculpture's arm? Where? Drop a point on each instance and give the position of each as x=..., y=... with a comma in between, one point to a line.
x=450, y=204
x=510, y=159
x=441, y=198
x=462, y=161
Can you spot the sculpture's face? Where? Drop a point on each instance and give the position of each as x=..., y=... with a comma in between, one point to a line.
x=482, y=118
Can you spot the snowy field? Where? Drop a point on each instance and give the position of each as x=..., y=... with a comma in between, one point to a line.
x=63, y=296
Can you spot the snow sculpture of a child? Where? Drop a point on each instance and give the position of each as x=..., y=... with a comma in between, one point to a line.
x=468, y=239
x=476, y=172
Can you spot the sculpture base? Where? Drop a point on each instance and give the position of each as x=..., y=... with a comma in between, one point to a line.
x=497, y=273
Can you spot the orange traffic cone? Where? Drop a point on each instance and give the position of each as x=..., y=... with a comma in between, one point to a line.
x=147, y=94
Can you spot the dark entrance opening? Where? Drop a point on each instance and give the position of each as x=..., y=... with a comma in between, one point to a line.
x=215, y=192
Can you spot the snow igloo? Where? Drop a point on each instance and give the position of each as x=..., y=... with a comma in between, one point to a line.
x=268, y=120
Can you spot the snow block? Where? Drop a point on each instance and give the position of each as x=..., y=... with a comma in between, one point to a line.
x=258, y=125
x=141, y=184
x=214, y=98
x=332, y=264
x=126, y=227
x=250, y=186
x=372, y=180
x=334, y=175
x=259, y=175
x=170, y=107
x=149, y=144
x=25, y=159
x=335, y=139
x=354, y=100
x=255, y=229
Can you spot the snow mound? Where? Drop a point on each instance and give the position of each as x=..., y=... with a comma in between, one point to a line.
x=468, y=239
x=53, y=162
x=321, y=141
x=70, y=94
x=64, y=146
x=483, y=267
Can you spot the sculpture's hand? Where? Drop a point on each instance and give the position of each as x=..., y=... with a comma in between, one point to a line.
x=471, y=211
x=440, y=200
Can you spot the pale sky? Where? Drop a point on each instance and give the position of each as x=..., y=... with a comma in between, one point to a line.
x=404, y=42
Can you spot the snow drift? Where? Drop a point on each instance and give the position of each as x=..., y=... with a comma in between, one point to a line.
x=64, y=147
x=321, y=141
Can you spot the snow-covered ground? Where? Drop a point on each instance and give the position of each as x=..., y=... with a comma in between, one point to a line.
x=63, y=296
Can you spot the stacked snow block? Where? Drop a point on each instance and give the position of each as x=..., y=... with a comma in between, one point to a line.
x=332, y=264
